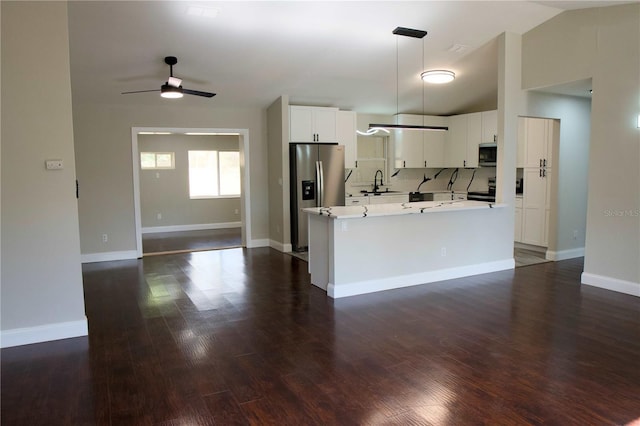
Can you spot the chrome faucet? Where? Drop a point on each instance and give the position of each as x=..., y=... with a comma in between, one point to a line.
x=375, y=181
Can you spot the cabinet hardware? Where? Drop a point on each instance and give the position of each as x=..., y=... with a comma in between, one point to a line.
x=404, y=163
x=540, y=172
x=544, y=162
x=425, y=163
x=544, y=172
x=541, y=162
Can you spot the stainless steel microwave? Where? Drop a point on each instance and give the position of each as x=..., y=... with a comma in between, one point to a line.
x=487, y=154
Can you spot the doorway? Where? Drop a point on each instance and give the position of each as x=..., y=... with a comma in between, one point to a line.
x=192, y=236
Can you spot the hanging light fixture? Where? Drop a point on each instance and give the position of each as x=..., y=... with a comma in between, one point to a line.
x=407, y=32
x=438, y=76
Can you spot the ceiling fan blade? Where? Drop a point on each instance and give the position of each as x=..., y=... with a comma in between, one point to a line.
x=198, y=93
x=140, y=91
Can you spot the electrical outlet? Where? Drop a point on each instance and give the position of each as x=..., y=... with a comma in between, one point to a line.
x=105, y=238
x=159, y=216
x=343, y=226
x=443, y=251
x=575, y=234
x=54, y=164
x=236, y=211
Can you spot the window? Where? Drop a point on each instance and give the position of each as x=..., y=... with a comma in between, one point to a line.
x=214, y=174
x=157, y=160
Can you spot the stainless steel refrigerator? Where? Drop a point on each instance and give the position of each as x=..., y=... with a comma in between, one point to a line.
x=317, y=180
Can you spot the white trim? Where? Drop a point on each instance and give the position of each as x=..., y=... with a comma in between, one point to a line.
x=245, y=183
x=109, y=256
x=371, y=286
x=277, y=245
x=264, y=242
x=194, y=227
x=43, y=333
x=565, y=254
x=608, y=283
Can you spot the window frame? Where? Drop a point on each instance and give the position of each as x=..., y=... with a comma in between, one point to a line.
x=155, y=159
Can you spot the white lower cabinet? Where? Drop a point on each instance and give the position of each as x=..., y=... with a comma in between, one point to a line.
x=388, y=199
x=356, y=201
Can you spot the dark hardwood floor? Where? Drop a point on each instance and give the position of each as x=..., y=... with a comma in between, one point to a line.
x=239, y=336
x=184, y=241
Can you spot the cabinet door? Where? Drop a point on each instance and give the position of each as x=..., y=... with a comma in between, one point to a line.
x=456, y=141
x=324, y=124
x=489, y=126
x=300, y=124
x=536, y=133
x=346, y=130
x=433, y=142
x=474, y=139
x=356, y=201
x=408, y=143
x=534, y=210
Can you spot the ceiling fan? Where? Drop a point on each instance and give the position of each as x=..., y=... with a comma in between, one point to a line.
x=172, y=88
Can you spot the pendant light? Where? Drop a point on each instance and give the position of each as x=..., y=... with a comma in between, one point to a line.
x=407, y=32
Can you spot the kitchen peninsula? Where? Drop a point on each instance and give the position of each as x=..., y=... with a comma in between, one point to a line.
x=363, y=249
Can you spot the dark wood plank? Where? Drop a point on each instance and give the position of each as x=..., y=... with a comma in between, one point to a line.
x=239, y=337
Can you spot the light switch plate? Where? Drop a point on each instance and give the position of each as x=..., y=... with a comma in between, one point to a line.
x=54, y=164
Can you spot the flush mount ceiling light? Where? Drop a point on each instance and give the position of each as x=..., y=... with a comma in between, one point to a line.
x=438, y=76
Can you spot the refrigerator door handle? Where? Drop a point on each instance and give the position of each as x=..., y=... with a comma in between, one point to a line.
x=320, y=180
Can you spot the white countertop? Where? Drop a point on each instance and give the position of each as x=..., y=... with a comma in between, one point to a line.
x=394, y=209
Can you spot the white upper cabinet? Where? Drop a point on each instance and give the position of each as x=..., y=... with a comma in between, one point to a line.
x=474, y=139
x=489, y=126
x=313, y=124
x=408, y=143
x=536, y=133
x=455, y=152
x=419, y=149
x=346, y=123
x=433, y=141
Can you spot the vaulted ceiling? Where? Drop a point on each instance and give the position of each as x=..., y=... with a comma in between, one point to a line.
x=330, y=53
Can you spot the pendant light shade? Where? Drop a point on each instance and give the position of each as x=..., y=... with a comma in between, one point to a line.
x=438, y=76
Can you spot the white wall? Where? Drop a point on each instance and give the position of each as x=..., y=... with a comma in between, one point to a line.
x=42, y=295
x=604, y=44
x=105, y=170
x=166, y=191
x=279, y=215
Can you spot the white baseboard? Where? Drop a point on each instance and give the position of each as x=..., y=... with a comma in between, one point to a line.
x=285, y=248
x=194, y=227
x=43, y=333
x=109, y=256
x=371, y=286
x=565, y=254
x=264, y=242
x=608, y=283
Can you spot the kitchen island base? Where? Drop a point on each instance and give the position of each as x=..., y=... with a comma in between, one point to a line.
x=355, y=251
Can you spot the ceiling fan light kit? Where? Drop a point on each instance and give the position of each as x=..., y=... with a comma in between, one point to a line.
x=172, y=88
x=170, y=92
x=438, y=76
